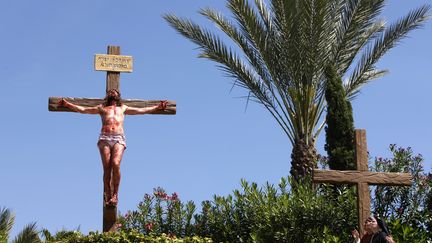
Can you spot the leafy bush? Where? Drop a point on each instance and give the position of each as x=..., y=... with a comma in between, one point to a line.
x=62, y=235
x=409, y=206
x=160, y=213
x=268, y=214
x=406, y=233
x=271, y=214
x=123, y=237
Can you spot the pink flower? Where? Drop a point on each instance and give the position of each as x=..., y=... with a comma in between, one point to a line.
x=149, y=226
x=174, y=196
x=160, y=194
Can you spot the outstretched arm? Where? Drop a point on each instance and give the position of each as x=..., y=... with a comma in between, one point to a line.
x=78, y=108
x=147, y=110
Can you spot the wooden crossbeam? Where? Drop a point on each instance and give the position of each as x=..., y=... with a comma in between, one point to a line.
x=88, y=102
x=355, y=177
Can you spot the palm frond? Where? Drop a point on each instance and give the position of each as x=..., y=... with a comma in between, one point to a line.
x=356, y=28
x=47, y=235
x=7, y=219
x=258, y=40
x=213, y=48
x=251, y=53
x=316, y=42
x=266, y=15
x=287, y=41
x=28, y=235
x=371, y=75
x=257, y=47
x=320, y=41
x=251, y=26
x=382, y=43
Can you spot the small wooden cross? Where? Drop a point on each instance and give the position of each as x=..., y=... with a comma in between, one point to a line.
x=113, y=63
x=362, y=177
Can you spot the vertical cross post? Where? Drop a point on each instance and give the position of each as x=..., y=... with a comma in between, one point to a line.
x=113, y=78
x=363, y=194
x=110, y=211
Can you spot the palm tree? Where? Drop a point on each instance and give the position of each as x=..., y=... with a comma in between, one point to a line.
x=28, y=235
x=285, y=47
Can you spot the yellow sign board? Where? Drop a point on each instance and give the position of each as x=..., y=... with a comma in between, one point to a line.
x=113, y=63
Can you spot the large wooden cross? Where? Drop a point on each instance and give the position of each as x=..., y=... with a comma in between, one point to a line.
x=362, y=177
x=113, y=63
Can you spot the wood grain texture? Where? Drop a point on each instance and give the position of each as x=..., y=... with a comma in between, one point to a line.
x=113, y=78
x=109, y=218
x=361, y=152
x=355, y=177
x=363, y=202
x=88, y=102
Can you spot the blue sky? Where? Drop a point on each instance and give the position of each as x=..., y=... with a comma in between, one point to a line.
x=51, y=170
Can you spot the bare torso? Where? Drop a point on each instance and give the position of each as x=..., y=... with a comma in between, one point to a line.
x=112, y=119
x=112, y=116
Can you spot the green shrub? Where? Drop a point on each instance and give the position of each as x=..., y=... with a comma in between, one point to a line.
x=122, y=237
x=271, y=214
x=160, y=213
x=268, y=214
x=62, y=235
x=410, y=206
x=407, y=233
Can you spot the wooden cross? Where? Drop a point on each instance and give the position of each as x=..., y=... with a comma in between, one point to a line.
x=113, y=63
x=362, y=177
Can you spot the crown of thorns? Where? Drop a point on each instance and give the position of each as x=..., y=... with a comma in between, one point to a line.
x=116, y=90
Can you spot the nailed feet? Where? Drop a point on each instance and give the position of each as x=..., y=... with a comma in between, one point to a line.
x=111, y=201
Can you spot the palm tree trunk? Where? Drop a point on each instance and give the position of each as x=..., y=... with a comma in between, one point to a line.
x=303, y=159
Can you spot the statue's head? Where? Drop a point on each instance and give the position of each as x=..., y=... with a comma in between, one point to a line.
x=113, y=97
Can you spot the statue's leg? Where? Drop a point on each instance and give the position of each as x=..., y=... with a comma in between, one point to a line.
x=105, y=153
x=116, y=157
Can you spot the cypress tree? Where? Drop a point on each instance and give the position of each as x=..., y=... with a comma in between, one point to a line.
x=340, y=124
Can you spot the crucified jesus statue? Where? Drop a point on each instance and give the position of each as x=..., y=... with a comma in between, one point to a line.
x=112, y=141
